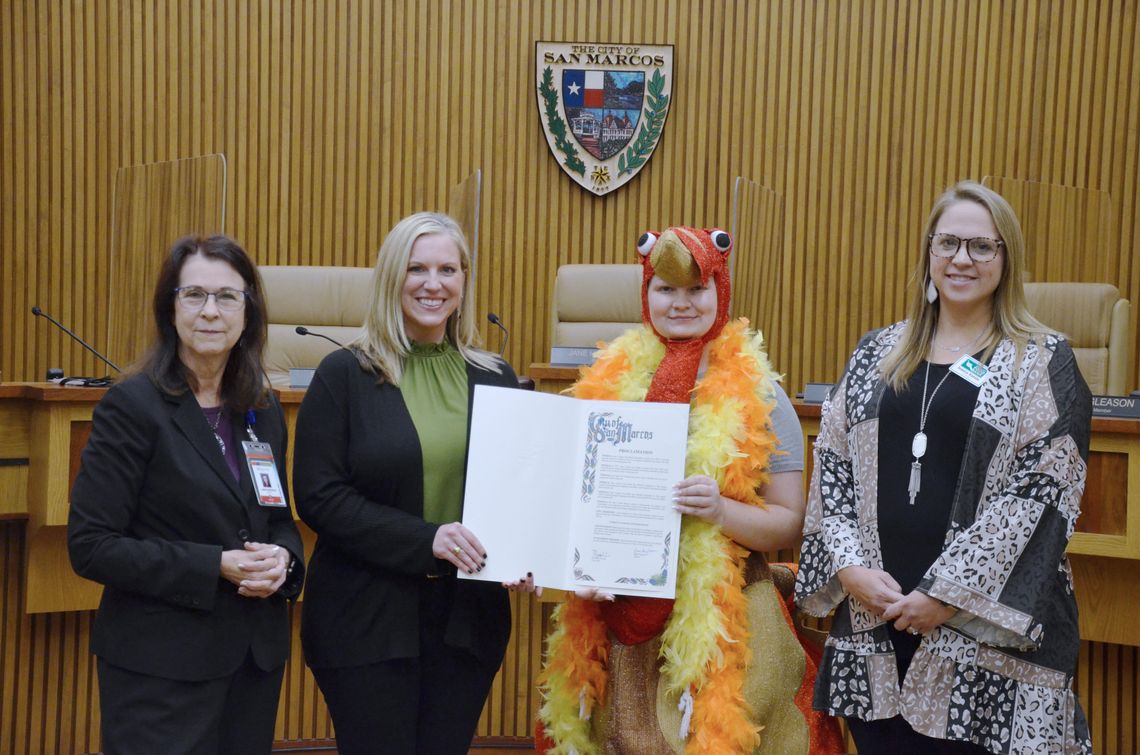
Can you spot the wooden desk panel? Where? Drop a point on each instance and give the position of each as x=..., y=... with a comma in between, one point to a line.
x=15, y=418
x=1108, y=483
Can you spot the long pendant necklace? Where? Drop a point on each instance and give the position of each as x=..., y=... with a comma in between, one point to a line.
x=214, y=427
x=918, y=443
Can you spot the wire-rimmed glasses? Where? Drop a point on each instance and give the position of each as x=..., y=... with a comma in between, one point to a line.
x=194, y=298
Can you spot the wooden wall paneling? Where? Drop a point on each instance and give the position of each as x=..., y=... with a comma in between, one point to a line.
x=48, y=692
x=758, y=255
x=8, y=212
x=154, y=205
x=301, y=712
x=12, y=558
x=463, y=205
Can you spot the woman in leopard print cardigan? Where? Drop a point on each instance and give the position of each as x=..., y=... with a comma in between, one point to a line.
x=948, y=475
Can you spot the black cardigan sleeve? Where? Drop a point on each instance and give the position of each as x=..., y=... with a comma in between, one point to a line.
x=377, y=521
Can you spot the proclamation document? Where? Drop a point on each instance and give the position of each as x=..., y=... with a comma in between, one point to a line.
x=579, y=493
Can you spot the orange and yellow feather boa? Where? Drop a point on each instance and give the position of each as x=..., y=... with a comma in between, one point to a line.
x=704, y=647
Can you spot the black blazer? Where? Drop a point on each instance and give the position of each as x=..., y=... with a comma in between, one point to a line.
x=152, y=509
x=358, y=477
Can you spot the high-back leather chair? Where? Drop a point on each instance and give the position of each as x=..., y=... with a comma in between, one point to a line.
x=332, y=301
x=594, y=303
x=1095, y=319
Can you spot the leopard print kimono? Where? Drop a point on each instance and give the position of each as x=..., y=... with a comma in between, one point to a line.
x=1000, y=672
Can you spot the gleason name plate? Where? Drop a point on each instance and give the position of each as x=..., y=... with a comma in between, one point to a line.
x=1116, y=406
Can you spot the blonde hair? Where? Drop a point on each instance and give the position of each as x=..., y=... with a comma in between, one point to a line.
x=383, y=346
x=1011, y=318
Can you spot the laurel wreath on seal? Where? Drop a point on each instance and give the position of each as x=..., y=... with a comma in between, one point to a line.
x=637, y=153
x=556, y=125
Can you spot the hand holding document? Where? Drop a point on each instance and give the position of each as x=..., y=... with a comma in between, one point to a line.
x=577, y=492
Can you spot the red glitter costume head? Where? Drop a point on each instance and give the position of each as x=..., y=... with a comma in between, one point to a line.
x=681, y=256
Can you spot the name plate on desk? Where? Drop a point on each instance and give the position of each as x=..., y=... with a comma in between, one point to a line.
x=572, y=356
x=300, y=377
x=1116, y=406
x=816, y=393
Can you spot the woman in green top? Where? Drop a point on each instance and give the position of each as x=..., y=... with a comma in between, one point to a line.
x=403, y=651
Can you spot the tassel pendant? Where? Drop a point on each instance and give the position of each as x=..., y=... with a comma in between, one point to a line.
x=915, y=480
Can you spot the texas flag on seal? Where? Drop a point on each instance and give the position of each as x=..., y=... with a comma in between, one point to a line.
x=583, y=88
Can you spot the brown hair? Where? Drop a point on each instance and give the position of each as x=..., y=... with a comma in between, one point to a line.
x=243, y=382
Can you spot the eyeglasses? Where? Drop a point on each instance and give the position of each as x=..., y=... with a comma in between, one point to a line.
x=195, y=298
x=980, y=249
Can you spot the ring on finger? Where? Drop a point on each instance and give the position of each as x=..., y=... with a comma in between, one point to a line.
x=457, y=550
x=912, y=630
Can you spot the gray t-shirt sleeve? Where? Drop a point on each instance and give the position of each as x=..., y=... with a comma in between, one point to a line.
x=789, y=454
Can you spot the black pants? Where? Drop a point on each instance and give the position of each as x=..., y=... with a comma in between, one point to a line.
x=428, y=705
x=894, y=736
x=148, y=714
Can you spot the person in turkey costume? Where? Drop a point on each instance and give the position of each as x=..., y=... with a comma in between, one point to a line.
x=719, y=669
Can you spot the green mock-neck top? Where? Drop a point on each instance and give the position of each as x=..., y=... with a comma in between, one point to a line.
x=434, y=387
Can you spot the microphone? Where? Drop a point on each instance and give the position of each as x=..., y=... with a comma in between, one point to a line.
x=40, y=313
x=494, y=320
x=303, y=331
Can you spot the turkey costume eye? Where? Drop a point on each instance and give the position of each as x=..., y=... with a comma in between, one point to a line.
x=721, y=240
x=645, y=243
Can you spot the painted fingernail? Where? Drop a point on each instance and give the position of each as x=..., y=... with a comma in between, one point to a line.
x=530, y=574
x=484, y=555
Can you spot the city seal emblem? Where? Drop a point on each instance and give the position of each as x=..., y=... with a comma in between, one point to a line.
x=603, y=107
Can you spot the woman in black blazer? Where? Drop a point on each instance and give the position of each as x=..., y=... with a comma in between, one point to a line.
x=196, y=554
x=403, y=651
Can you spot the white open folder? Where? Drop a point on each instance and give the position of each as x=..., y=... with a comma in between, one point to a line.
x=579, y=493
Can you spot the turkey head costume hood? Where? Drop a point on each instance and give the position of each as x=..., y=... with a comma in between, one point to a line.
x=681, y=256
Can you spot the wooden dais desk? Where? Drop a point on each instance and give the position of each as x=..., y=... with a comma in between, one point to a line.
x=1105, y=549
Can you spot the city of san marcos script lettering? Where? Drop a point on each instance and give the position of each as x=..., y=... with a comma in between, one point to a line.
x=603, y=107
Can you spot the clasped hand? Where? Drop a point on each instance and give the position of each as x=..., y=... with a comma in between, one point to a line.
x=258, y=570
x=880, y=593
x=918, y=613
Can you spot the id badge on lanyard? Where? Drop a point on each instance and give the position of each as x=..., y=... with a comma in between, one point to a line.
x=263, y=472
